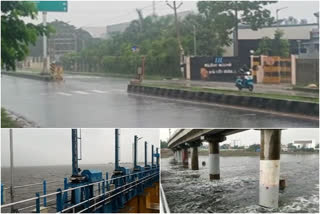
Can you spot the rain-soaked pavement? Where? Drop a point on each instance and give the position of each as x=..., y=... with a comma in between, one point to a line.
x=91, y=101
x=189, y=191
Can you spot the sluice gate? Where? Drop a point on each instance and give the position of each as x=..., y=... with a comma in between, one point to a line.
x=133, y=190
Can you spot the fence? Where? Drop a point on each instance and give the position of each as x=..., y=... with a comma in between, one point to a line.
x=222, y=69
x=274, y=69
x=307, y=71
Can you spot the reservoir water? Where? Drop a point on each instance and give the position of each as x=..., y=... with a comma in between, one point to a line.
x=190, y=191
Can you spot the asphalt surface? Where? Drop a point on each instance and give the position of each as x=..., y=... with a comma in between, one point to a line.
x=91, y=101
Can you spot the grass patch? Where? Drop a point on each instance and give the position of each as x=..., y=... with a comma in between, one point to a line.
x=238, y=93
x=6, y=121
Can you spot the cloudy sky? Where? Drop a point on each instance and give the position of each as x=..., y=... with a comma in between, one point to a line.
x=103, y=13
x=253, y=136
x=33, y=147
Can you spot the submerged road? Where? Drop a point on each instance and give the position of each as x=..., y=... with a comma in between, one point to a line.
x=91, y=101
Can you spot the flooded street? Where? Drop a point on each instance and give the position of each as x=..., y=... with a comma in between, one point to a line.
x=190, y=191
x=92, y=101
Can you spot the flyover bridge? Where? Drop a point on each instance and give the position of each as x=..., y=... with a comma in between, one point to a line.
x=270, y=143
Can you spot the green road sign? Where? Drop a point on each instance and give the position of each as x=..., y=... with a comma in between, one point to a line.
x=52, y=6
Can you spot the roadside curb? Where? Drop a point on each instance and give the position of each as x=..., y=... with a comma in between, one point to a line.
x=283, y=106
x=310, y=90
x=29, y=76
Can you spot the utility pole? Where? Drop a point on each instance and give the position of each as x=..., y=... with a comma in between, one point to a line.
x=277, y=15
x=11, y=170
x=153, y=8
x=235, y=33
x=194, y=41
x=45, y=42
x=175, y=8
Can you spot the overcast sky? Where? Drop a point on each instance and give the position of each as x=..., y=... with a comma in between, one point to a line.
x=34, y=147
x=103, y=13
x=253, y=136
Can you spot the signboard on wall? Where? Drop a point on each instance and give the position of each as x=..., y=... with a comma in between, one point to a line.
x=222, y=69
x=52, y=6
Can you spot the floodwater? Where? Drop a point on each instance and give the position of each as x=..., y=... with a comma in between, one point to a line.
x=91, y=101
x=36, y=174
x=190, y=191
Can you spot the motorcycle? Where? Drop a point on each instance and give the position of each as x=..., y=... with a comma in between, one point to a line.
x=245, y=80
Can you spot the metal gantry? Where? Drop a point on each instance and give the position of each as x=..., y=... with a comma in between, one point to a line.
x=87, y=190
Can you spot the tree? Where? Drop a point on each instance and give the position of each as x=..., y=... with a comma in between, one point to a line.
x=210, y=40
x=291, y=146
x=227, y=15
x=225, y=146
x=291, y=21
x=16, y=35
x=274, y=47
x=63, y=30
x=254, y=147
x=163, y=144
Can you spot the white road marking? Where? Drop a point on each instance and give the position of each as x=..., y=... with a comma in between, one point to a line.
x=99, y=92
x=118, y=90
x=80, y=92
x=64, y=94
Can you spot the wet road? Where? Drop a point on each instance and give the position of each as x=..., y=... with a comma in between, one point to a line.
x=190, y=191
x=90, y=101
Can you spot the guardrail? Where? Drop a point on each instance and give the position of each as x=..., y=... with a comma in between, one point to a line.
x=164, y=204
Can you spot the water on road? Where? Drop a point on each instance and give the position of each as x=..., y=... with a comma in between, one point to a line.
x=91, y=101
x=190, y=191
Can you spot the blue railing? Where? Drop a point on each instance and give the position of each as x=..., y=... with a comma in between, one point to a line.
x=125, y=187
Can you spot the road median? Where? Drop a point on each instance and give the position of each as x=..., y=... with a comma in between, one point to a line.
x=304, y=106
x=29, y=75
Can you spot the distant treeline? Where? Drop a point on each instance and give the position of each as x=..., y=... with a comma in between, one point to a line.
x=156, y=38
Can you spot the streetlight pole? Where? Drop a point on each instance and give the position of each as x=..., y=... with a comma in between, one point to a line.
x=277, y=15
x=45, y=43
x=194, y=41
x=11, y=170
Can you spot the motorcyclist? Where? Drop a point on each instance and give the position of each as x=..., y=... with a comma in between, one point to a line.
x=243, y=71
x=244, y=79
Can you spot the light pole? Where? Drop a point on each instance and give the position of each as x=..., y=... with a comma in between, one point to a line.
x=299, y=46
x=277, y=14
x=45, y=44
x=194, y=41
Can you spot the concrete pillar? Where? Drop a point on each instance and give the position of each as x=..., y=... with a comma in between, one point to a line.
x=194, y=158
x=214, y=161
x=180, y=156
x=185, y=157
x=269, y=167
x=214, y=156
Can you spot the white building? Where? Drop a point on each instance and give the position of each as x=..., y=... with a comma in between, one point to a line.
x=308, y=144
